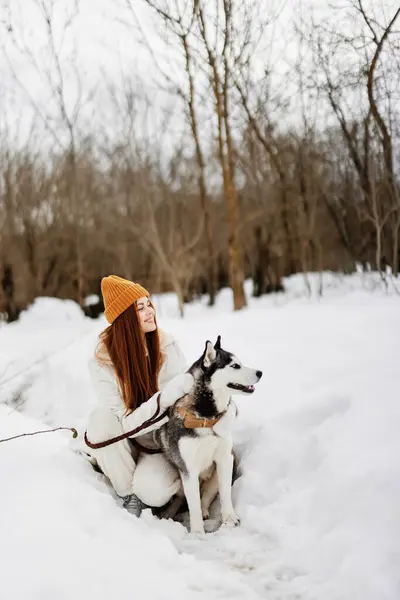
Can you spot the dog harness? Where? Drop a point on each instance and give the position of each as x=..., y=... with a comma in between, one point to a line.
x=190, y=420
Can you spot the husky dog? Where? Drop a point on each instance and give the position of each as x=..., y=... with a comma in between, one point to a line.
x=188, y=440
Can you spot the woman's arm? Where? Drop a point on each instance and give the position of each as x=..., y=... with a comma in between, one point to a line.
x=136, y=420
x=180, y=385
x=108, y=393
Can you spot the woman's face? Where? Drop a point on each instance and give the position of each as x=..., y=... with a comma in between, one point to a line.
x=146, y=314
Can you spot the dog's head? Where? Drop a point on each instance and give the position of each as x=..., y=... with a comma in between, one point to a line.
x=222, y=370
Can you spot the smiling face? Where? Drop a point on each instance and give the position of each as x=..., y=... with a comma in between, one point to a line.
x=146, y=314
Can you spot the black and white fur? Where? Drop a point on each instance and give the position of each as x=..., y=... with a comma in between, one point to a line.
x=205, y=459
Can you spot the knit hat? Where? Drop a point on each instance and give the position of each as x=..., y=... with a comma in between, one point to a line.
x=119, y=294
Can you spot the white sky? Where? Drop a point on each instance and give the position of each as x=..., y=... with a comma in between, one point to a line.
x=103, y=47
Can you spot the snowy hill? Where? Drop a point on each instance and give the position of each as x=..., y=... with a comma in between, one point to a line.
x=319, y=442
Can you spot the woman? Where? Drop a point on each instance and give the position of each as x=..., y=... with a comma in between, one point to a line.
x=133, y=361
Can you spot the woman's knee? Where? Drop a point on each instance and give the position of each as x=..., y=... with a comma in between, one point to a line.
x=155, y=480
x=116, y=460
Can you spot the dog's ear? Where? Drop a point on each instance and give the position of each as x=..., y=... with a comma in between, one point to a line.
x=209, y=354
x=217, y=345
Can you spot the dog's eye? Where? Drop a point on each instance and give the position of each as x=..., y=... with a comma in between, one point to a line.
x=235, y=366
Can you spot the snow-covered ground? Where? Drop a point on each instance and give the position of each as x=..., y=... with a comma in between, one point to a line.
x=319, y=442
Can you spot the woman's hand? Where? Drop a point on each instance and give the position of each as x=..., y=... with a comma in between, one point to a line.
x=178, y=387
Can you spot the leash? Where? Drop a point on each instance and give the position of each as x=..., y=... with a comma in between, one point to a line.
x=151, y=421
x=190, y=421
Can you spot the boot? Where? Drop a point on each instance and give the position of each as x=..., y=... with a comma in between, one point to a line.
x=133, y=505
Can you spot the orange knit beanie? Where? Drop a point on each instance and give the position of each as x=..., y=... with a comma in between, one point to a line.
x=119, y=294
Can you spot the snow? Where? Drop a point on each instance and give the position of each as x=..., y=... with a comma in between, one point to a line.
x=319, y=443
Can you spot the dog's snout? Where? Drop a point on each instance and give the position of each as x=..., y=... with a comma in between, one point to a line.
x=259, y=374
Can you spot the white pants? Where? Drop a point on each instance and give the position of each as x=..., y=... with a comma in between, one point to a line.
x=153, y=479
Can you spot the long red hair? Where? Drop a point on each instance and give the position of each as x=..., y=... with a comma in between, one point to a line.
x=136, y=357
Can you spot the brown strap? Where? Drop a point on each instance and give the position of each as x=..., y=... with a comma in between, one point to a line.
x=190, y=420
x=152, y=421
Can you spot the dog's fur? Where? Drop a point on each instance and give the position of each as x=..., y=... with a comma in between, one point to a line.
x=202, y=456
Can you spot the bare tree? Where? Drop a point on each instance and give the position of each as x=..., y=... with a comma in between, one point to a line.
x=372, y=139
x=259, y=105
x=379, y=39
x=179, y=21
x=157, y=205
x=217, y=47
x=65, y=133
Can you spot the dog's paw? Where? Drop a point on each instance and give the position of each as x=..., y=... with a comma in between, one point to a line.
x=230, y=520
x=205, y=513
x=196, y=526
x=197, y=532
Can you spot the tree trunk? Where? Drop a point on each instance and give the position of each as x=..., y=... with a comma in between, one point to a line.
x=234, y=268
x=235, y=261
x=395, y=259
x=226, y=157
x=9, y=306
x=211, y=270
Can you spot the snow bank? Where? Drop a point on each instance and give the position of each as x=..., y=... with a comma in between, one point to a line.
x=319, y=444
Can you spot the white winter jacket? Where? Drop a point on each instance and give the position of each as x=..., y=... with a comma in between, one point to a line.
x=106, y=387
